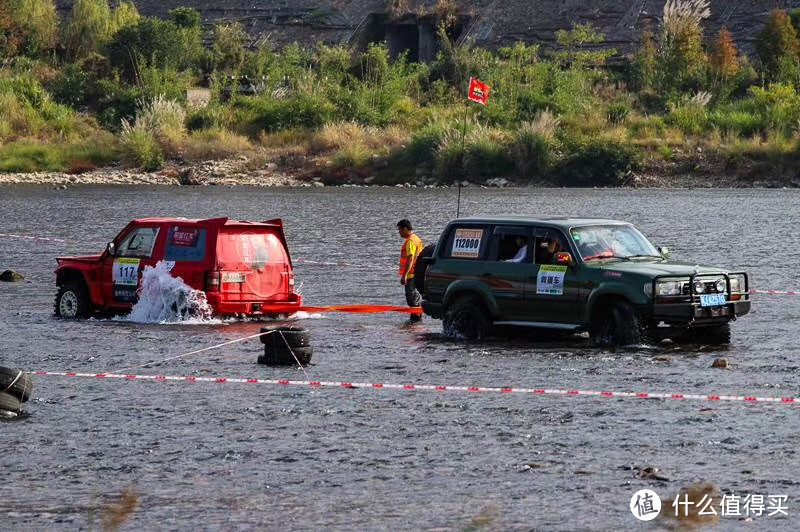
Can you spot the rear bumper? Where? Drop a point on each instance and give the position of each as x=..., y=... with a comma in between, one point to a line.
x=253, y=308
x=692, y=314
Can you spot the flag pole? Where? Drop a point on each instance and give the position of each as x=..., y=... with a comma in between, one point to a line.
x=461, y=155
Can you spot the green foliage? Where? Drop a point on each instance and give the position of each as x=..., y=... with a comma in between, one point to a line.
x=531, y=151
x=486, y=154
x=574, y=42
x=597, y=162
x=778, y=48
x=28, y=156
x=681, y=62
x=204, y=118
x=152, y=42
x=689, y=116
x=185, y=17
x=140, y=148
x=228, y=48
x=618, y=111
x=270, y=114
x=71, y=86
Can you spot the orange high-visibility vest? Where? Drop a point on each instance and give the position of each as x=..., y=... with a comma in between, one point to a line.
x=412, y=246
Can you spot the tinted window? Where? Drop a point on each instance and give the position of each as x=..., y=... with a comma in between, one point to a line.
x=510, y=244
x=186, y=244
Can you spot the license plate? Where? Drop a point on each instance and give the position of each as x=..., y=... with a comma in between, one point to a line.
x=233, y=277
x=712, y=300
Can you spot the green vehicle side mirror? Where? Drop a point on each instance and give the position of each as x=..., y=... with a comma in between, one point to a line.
x=664, y=250
x=564, y=258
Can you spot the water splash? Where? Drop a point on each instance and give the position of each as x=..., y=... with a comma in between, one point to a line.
x=167, y=299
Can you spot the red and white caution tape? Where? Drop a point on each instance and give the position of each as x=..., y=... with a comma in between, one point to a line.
x=27, y=237
x=776, y=292
x=430, y=387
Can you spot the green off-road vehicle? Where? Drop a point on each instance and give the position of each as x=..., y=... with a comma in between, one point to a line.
x=574, y=275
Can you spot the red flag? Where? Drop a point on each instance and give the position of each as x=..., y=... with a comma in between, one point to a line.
x=478, y=91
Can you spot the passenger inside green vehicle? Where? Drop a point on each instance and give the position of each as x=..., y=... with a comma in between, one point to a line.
x=546, y=248
x=515, y=247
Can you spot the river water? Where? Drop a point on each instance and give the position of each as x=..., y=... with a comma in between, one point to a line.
x=237, y=456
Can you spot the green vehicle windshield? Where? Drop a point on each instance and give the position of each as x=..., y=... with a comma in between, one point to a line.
x=611, y=241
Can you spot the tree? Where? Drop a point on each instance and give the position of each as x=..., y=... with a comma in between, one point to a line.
x=575, y=40
x=777, y=46
x=681, y=60
x=28, y=27
x=228, y=48
x=152, y=42
x=724, y=58
x=647, y=59
x=89, y=28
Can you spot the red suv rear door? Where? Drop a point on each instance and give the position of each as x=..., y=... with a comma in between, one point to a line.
x=253, y=263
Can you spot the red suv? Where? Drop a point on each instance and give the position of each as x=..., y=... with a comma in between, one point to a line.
x=243, y=267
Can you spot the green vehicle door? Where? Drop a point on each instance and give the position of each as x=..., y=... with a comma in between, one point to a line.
x=508, y=264
x=551, y=290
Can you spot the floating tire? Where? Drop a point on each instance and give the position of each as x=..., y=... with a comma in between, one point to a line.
x=17, y=383
x=285, y=346
x=9, y=404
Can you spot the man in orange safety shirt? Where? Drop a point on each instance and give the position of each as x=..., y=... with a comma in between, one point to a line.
x=412, y=247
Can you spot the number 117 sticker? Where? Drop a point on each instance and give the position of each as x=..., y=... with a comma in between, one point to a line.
x=125, y=272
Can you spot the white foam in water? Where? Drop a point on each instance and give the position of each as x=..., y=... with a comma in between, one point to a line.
x=167, y=299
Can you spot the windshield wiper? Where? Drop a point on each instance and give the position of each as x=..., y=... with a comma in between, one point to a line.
x=646, y=256
x=604, y=256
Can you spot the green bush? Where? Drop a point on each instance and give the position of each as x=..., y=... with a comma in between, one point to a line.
x=28, y=156
x=486, y=155
x=741, y=123
x=532, y=152
x=617, y=112
x=203, y=118
x=71, y=86
x=140, y=147
x=423, y=146
x=597, y=162
x=271, y=114
x=690, y=118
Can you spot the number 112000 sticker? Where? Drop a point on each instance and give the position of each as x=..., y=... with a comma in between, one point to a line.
x=467, y=243
x=125, y=272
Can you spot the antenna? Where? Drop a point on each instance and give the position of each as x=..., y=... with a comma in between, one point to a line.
x=458, y=205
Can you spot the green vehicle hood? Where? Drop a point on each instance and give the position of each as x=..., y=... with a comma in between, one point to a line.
x=651, y=268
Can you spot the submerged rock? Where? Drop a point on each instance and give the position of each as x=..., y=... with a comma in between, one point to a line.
x=721, y=363
x=10, y=276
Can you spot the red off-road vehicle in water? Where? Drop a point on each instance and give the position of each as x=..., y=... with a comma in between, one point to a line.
x=244, y=268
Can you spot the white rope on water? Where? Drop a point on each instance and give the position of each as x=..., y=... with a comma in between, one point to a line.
x=217, y=346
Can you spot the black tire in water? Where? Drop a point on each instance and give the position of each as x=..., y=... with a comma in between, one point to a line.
x=716, y=335
x=9, y=403
x=285, y=346
x=466, y=318
x=618, y=324
x=285, y=357
x=72, y=301
x=420, y=267
x=286, y=334
x=23, y=384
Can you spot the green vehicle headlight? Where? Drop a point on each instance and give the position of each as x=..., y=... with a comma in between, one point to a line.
x=669, y=288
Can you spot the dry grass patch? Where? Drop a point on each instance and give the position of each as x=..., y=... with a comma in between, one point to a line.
x=214, y=143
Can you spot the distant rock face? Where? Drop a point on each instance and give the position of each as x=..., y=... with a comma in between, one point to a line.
x=489, y=23
x=10, y=276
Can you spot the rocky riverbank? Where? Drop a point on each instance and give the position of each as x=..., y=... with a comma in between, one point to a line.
x=239, y=172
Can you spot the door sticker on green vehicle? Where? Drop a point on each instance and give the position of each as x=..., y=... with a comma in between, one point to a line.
x=550, y=280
